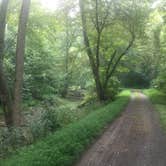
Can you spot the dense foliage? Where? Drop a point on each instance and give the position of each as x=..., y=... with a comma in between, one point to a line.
x=65, y=146
x=55, y=57
x=77, y=56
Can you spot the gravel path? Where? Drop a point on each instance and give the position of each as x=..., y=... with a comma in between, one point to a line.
x=135, y=139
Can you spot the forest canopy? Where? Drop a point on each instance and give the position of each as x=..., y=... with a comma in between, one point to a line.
x=93, y=45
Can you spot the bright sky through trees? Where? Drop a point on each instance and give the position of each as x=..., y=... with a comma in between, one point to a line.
x=156, y=3
x=51, y=4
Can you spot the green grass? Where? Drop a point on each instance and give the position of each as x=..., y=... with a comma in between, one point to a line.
x=65, y=146
x=162, y=110
x=156, y=96
x=158, y=99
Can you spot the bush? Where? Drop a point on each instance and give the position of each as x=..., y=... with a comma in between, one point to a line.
x=156, y=96
x=42, y=123
x=89, y=98
x=39, y=124
x=11, y=139
x=110, y=93
x=65, y=146
x=160, y=83
x=113, y=88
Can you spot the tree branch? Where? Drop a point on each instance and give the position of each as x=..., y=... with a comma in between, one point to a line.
x=109, y=74
x=86, y=39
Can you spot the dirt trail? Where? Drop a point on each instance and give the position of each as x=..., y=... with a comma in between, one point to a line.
x=135, y=139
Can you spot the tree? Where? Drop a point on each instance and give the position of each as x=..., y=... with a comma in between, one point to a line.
x=11, y=101
x=5, y=94
x=158, y=21
x=69, y=35
x=104, y=20
x=20, y=51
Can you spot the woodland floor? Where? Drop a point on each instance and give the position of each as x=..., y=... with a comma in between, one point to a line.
x=134, y=139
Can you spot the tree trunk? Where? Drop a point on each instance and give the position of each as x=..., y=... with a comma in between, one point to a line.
x=6, y=100
x=5, y=95
x=20, y=51
x=94, y=66
x=3, y=13
x=100, y=91
x=67, y=47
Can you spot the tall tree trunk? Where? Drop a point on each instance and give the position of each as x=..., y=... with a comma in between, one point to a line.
x=3, y=13
x=66, y=81
x=156, y=51
x=5, y=95
x=99, y=88
x=20, y=51
x=94, y=65
x=67, y=48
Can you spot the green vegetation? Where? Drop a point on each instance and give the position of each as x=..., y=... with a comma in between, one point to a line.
x=158, y=98
x=41, y=120
x=162, y=111
x=61, y=61
x=65, y=146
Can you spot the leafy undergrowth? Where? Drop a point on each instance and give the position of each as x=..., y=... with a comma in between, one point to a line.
x=69, y=111
x=162, y=111
x=66, y=111
x=65, y=146
x=158, y=98
x=41, y=120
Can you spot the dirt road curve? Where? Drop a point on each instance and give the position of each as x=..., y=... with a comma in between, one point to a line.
x=135, y=139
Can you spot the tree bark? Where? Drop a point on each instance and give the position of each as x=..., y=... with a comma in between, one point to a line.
x=68, y=44
x=5, y=95
x=19, y=70
x=3, y=13
x=94, y=66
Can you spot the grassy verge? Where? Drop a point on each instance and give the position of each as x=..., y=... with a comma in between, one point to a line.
x=159, y=100
x=65, y=146
x=156, y=96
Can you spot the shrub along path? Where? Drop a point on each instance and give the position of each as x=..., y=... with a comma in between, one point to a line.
x=135, y=139
x=65, y=146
